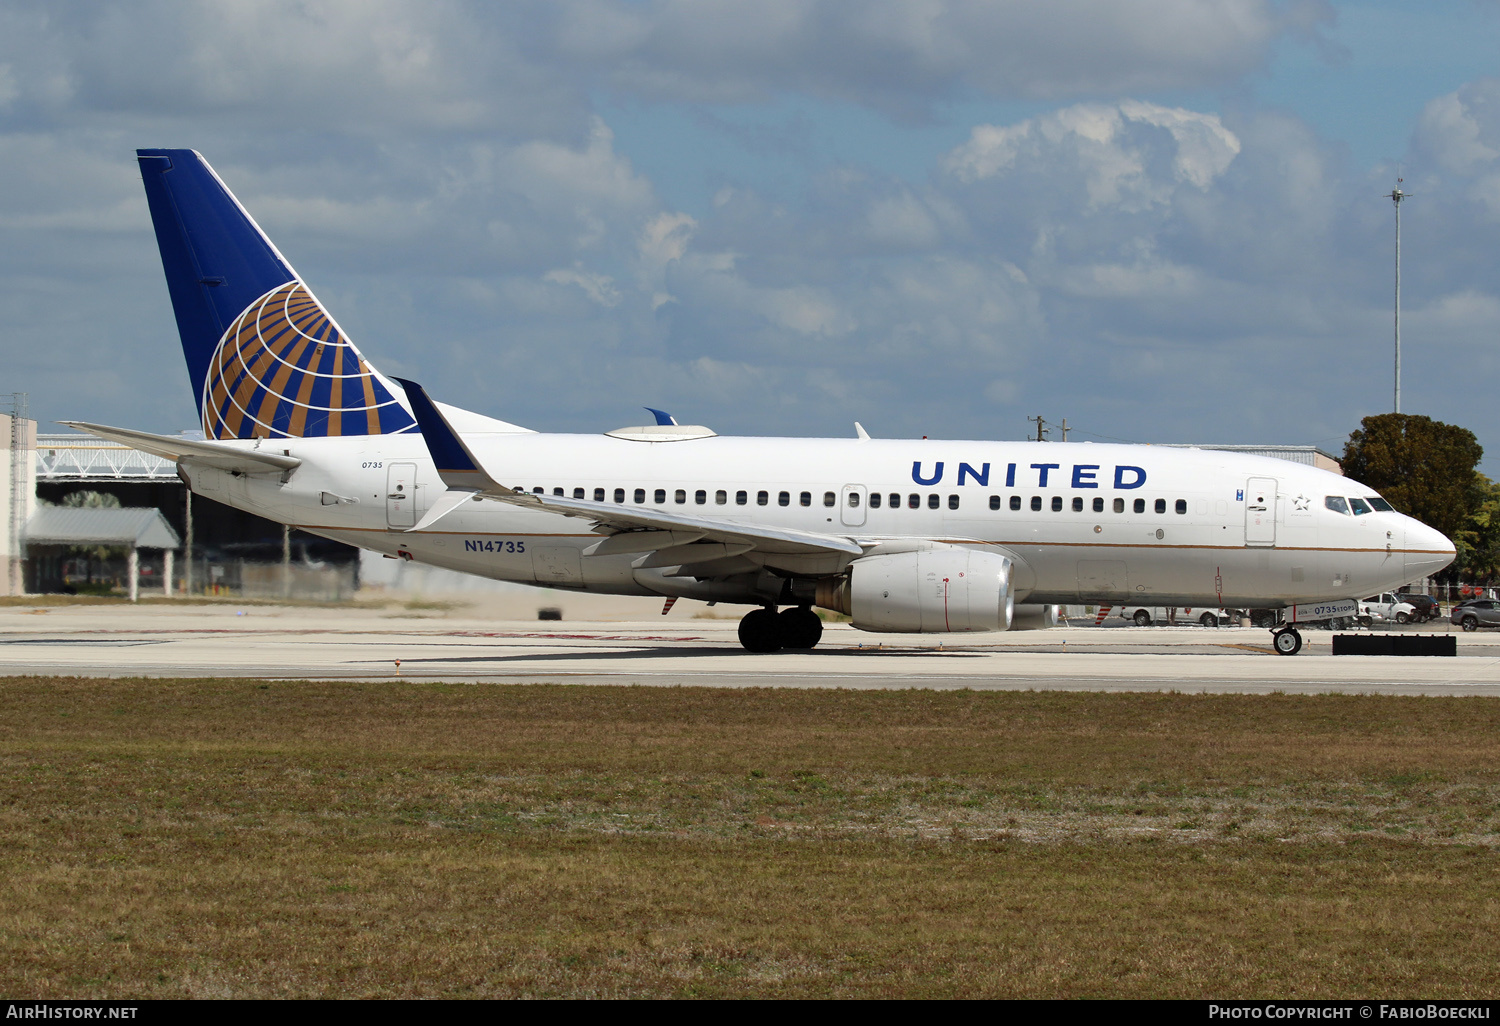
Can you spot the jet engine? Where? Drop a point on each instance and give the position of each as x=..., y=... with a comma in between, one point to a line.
x=1031, y=617
x=936, y=590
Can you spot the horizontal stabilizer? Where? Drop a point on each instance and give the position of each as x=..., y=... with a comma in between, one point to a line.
x=208, y=454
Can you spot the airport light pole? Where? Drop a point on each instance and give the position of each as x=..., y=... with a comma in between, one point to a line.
x=1396, y=196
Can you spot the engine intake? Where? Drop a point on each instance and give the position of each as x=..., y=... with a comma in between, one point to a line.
x=932, y=591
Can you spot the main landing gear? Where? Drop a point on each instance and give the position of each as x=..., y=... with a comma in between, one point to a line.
x=1286, y=641
x=765, y=630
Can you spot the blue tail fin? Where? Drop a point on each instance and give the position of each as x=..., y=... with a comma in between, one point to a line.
x=266, y=359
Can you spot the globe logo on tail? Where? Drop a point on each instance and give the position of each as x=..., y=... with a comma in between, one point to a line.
x=284, y=369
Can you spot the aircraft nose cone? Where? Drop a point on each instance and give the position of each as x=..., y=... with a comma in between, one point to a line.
x=1427, y=550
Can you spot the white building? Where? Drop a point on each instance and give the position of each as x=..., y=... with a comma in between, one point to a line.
x=17, y=494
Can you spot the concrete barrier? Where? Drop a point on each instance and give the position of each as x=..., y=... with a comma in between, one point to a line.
x=1395, y=644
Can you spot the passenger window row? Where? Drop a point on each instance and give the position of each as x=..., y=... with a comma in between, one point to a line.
x=1180, y=506
x=700, y=496
x=913, y=500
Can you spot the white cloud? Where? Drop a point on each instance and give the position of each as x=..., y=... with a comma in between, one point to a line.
x=901, y=56
x=901, y=221
x=665, y=238
x=443, y=176
x=1104, y=144
x=598, y=287
x=1450, y=127
x=1460, y=134
x=1469, y=315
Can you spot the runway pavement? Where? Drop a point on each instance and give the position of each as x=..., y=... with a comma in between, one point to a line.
x=281, y=642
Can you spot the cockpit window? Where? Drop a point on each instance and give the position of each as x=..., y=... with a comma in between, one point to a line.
x=1380, y=504
x=1337, y=504
x=1360, y=507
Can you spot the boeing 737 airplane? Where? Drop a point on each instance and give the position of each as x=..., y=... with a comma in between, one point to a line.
x=915, y=536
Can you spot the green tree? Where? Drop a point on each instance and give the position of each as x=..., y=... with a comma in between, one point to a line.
x=1423, y=467
x=1479, y=541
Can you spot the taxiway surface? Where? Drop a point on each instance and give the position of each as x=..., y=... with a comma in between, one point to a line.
x=289, y=642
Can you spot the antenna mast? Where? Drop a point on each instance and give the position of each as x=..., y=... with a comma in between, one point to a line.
x=1396, y=196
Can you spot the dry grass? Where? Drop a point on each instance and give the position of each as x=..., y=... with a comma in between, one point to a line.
x=175, y=838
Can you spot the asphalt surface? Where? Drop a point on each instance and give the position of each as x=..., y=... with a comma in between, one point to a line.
x=340, y=643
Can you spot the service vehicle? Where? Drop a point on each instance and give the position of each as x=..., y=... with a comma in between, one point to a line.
x=1145, y=616
x=1386, y=607
x=1426, y=606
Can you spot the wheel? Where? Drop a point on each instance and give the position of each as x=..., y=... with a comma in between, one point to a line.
x=1287, y=642
x=1339, y=623
x=760, y=631
x=1209, y=620
x=1471, y=623
x=1142, y=618
x=800, y=628
x=1403, y=618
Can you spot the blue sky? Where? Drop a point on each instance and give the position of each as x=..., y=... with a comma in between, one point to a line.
x=1160, y=220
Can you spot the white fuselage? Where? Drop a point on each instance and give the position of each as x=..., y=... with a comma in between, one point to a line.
x=1095, y=523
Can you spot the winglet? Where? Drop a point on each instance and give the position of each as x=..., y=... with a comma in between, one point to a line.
x=456, y=465
x=663, y=418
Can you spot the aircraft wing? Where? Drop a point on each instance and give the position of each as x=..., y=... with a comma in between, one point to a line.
x=211, y=454
x=632, y=528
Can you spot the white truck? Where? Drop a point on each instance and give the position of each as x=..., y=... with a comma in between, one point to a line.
x=1386, y=608
x=1145, y=616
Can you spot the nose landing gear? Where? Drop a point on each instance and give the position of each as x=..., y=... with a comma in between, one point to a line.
x=1287, y=641
x=765, y=630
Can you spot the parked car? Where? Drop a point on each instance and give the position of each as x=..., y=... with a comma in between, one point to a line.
x=1386, y=607
x=1476, y=613
x=1145, y=616
x=1426, y=606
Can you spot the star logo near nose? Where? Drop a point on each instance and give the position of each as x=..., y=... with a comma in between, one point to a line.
x=1301, y=503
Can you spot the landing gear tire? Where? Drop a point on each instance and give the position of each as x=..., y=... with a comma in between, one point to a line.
x=1209, y=620
x=1287, y=641
x=800, y=628
x=760, y=631
x=1142, y=618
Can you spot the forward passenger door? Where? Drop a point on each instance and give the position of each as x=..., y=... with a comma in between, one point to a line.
x=1260, y=511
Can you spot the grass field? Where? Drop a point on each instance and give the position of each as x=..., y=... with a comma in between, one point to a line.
x=236, y=838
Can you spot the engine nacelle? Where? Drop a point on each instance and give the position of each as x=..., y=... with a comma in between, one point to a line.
x=1032, y=617
x=937, y=590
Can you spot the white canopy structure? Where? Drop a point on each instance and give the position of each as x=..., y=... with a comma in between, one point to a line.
x=133, y=528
